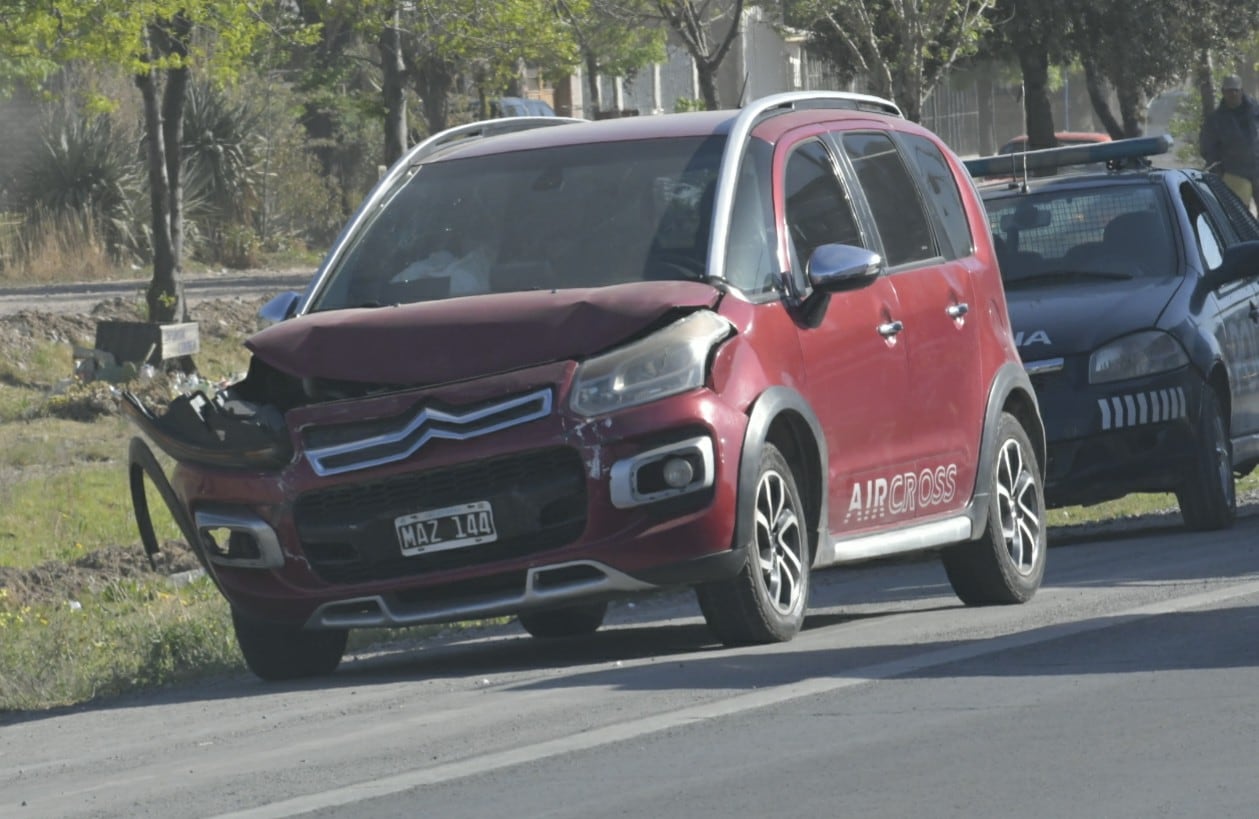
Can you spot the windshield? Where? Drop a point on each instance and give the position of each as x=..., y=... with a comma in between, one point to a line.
x=1069, y=236
x=572, y=216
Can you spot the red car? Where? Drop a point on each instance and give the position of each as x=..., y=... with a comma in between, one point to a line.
x=553, y=362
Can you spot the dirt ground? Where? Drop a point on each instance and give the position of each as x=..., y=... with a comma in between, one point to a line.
x=20, y=334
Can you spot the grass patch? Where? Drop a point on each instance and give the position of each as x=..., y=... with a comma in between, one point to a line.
x=62, y=515
x=128, y=635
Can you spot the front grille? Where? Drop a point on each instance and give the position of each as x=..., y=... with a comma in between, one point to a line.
x=362, y=444
x=538, y=498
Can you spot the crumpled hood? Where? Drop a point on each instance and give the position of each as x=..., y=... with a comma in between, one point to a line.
x=439, y=341
x=1065, y=319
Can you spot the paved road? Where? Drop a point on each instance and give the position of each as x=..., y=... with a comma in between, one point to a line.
x=1126, y=688
x=81, y=298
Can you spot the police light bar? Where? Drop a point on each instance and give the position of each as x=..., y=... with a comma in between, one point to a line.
x=1049, y=158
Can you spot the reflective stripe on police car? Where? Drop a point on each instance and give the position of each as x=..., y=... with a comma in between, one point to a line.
x=1119, y=411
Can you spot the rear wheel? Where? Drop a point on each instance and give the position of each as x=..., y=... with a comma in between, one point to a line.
x=276, y=651
x=566, y=621
x=1007, y=563
x=1208, y=497
x=765, y=602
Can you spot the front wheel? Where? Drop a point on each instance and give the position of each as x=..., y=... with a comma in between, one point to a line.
x=1208, y=497
x=276, y=651
x=1006, y=564
x=765, y=602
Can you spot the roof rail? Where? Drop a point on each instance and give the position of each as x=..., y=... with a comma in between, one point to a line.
x=476, y=130
x=1113, y=153
x=749, y=116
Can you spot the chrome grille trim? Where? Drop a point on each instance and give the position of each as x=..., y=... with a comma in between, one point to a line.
x=427, y=425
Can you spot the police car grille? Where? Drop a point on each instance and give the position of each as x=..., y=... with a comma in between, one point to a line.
x=538, y=498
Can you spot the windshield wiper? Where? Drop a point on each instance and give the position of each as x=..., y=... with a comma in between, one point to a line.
x=1066, y=275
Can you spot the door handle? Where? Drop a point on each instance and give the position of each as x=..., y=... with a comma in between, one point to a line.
x=957, y=310
x=890, y=328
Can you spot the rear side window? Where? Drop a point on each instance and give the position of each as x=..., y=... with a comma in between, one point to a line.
x=893, y=199
x=941, y=189
x=818, y=210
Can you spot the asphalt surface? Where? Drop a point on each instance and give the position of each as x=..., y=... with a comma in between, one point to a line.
x=1125, y=688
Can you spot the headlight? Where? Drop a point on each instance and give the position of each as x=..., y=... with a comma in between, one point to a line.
x=665, y=363
x=1136, y=355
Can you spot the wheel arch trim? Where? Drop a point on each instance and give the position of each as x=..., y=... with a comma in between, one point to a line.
x=776, y=412
x=1011, y=391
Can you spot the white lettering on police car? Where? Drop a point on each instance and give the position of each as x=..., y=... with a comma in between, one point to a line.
x=1134, y=409
x=1035, y=337
x=902, y=494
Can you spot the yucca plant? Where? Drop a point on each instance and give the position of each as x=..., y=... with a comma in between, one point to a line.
x=221, y=176
x=87, y=169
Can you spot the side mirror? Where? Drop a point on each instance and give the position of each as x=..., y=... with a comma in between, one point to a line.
x=833, y=268
x=281, y=307
x=1239, y=262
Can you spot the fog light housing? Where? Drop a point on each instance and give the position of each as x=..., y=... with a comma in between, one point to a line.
x=665, y=472
x=232, y=536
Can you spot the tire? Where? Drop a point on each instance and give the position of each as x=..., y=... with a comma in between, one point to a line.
x=1007, y=563
x=567, y=621
x=1208, y=498
x=766, y=601
x=277, y=652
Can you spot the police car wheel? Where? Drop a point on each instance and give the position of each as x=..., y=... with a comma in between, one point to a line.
x=1006, y=564
x=766, y=601
x=1208, y=498
x=565, y=621
x=277, y=651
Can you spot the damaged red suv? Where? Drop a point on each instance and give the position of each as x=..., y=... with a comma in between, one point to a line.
x=551, y=363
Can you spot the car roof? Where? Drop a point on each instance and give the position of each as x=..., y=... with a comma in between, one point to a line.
x=697, y=124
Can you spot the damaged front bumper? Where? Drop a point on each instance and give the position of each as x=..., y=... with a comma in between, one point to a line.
x=583, y=510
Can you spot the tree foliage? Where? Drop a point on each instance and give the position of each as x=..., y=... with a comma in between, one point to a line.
x=612, y=39
x=160, y=43
x=902, y=47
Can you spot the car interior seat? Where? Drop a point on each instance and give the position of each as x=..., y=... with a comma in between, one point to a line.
x=1139, y=237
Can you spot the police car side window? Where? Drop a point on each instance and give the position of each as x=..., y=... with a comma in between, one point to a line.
x=1208, y=241
x=818, y=209
x=892, y=196
x=941, y=190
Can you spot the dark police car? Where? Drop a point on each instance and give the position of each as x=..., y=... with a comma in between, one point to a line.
x=1135, y=305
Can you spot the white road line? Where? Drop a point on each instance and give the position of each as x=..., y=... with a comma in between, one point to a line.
x=398, y=783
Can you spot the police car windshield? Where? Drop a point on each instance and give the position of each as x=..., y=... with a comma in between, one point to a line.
x=1094, y=234
x=563, y=217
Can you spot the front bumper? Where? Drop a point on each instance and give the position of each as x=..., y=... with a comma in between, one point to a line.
x=1105, y=441
x=580, y=506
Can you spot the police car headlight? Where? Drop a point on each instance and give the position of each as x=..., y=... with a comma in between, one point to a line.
x=668, y=362
x=1134, y=356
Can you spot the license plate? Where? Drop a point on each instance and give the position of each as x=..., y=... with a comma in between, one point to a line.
x=452, y=527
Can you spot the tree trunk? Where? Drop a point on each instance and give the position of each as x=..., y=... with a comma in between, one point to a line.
x=392, y=90
x=434, y=80
x=173, y=101
x=160, y=296
x=707, y=74
x=1101, y=107
x=592, y=85
x=1038, y=114
x=1205, y=83
x=1132, y=105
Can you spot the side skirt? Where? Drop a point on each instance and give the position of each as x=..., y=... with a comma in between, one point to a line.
x=923, y=536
